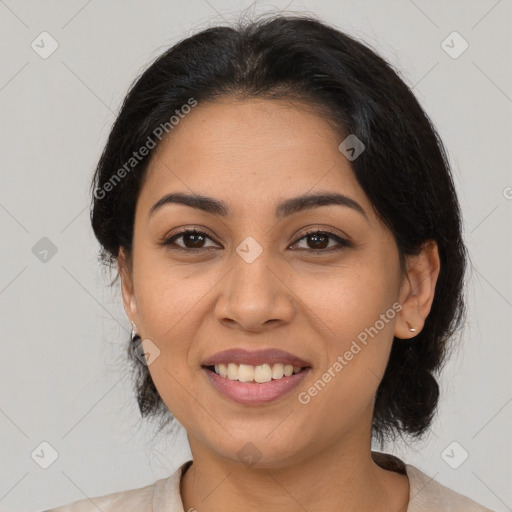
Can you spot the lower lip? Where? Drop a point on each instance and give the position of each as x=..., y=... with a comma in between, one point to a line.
x=253, y=393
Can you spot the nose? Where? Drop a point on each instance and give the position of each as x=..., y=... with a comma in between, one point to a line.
x=255, y=296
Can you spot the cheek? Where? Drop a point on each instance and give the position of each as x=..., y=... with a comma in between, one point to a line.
x=346, y=299
x=354, y=312
x=169, y=295
x=171, y=302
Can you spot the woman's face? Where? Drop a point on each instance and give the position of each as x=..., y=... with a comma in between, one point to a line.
x=254, y=279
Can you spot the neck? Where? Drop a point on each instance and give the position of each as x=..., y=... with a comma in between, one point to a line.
x=343, y=476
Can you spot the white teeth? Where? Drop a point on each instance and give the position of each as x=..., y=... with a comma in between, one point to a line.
x=245, y=373
x=260, y=373
x=223, y=370
x=232, y=371
x=277, y=371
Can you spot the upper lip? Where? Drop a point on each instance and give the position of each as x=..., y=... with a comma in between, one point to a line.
x=255, y=357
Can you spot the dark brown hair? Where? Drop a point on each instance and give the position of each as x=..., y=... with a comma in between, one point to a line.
x=404, y=171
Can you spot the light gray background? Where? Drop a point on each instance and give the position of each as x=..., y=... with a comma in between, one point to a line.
x=64, y=331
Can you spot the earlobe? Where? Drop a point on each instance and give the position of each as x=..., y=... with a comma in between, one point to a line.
x=411, y=328
x=127, y=290
x=418, y=290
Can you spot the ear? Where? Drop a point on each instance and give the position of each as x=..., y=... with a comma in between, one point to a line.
x=417, y=290
x=127, y=289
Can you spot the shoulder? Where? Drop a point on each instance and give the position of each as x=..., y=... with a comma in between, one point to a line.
x=426, y=494
x=133, y=499
x=162, y=495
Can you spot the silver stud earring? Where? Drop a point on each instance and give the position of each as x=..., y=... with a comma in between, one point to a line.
x=412, y=329
x=134, y=331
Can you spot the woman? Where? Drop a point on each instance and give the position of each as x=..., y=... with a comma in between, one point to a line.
x=288, y=237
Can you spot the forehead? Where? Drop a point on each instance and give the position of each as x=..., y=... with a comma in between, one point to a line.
x=250, y=152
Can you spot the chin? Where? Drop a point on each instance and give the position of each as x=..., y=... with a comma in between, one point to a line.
x=257, y=450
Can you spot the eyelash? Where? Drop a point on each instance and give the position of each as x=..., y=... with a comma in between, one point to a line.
x=343, y=243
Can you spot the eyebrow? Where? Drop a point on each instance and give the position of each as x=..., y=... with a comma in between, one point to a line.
x=284, y=209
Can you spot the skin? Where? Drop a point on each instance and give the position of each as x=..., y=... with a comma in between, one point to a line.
x=252, y=154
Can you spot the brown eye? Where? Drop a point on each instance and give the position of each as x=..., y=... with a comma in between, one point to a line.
x=319, y=241
x=191, y=239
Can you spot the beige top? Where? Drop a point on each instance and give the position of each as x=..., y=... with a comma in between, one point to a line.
x=425, y=494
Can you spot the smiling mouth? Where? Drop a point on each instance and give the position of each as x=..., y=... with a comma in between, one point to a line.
x=258, y=374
